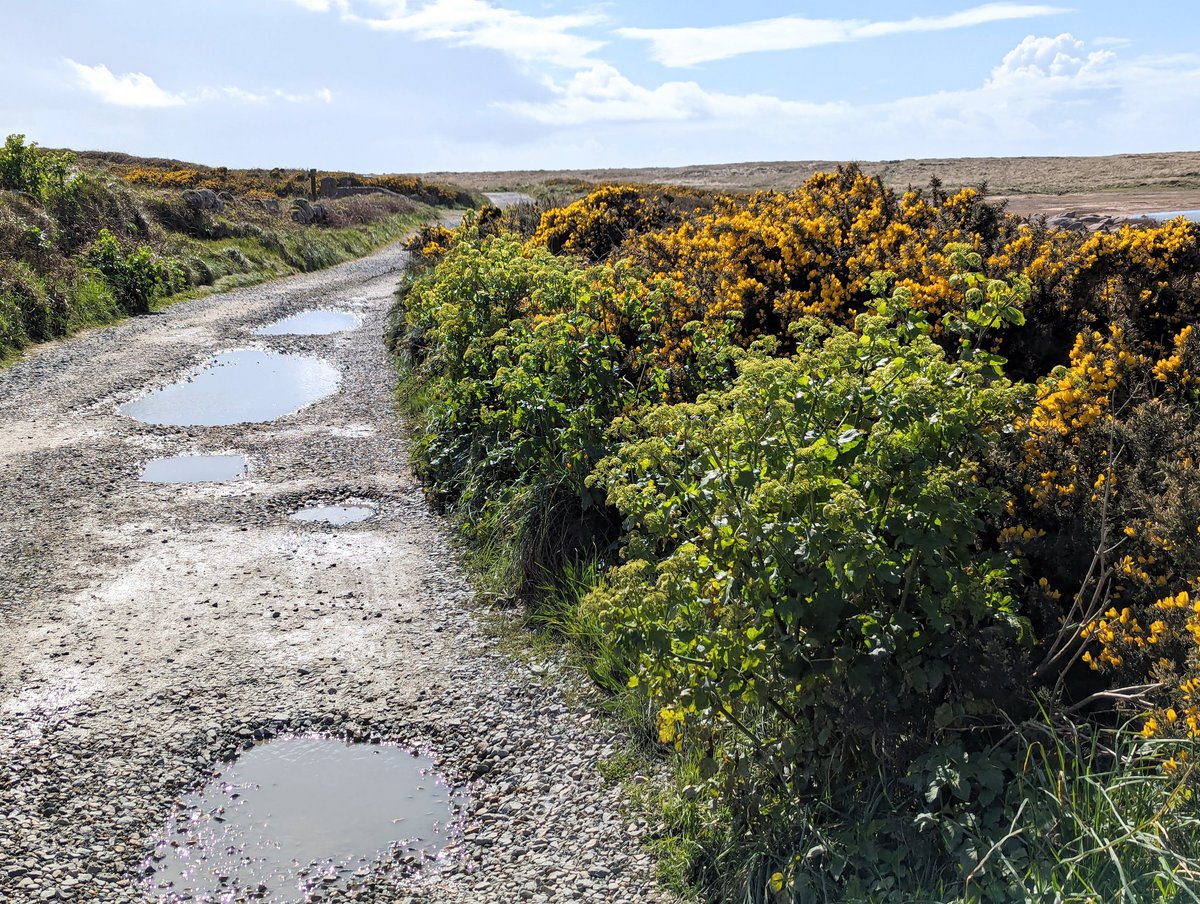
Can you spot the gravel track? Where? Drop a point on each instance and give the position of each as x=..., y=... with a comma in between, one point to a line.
x=148, y=631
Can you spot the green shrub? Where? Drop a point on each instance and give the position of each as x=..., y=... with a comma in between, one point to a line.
x=519, y=407
x=524, y=360
x=137, y=278
x=808, y=592
x=12, y=326
x=42, y=316
x=21, y=166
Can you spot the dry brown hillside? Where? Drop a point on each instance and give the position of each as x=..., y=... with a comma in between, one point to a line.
x=1121, y=184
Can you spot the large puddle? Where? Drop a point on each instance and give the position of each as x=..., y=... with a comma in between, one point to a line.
x=301, y=813
x=315, y=322
x=240, y=387
x=194, y=469
x=336, y=515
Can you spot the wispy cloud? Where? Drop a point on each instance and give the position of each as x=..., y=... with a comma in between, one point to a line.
x=136, y=89
x=601, y=93
x=476, y=23
x=691, y=46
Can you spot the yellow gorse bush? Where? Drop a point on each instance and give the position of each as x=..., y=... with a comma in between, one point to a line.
x=159, y=178
x=1075, y=398
x=1170, y=647
x=698, y=385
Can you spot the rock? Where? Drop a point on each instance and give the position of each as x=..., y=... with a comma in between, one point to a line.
x=302, y=211
x=203, y=199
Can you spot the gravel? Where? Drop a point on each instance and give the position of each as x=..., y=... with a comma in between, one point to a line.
x=148, y=632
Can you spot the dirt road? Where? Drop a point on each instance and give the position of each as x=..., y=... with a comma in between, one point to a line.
x=148, y=631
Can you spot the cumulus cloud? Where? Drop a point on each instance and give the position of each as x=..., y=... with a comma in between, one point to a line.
x=476, y=23
x=690, y=46
x=1060, y=57
x=136, y=89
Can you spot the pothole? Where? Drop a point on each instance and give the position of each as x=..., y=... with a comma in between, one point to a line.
x=335, y=515
x=298, y=814
x=194, y=469
x=238, y=387
x=313, y=322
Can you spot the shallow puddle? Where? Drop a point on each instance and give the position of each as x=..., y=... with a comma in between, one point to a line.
x=314, y=322
x=1163, y=215
x=241, y=387
x=504, y=199
x=194, y=469
x=336, y=515
x=301, y=813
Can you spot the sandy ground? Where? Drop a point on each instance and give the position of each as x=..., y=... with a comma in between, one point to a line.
x=1120, y=185
x=148, y=632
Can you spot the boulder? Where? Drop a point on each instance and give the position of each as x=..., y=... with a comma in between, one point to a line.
x=302, y=211
x=203, y=199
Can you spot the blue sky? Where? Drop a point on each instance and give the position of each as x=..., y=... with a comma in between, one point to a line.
x=419, y=85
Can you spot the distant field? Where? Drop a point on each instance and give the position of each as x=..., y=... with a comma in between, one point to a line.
x=1121, y=184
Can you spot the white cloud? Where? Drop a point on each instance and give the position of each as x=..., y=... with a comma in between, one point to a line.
x=601, y=93
x=1046, y=92
x=322, y=95
x=136, y=89
x=1060, y=57
x=690, y=46
x=476, y=23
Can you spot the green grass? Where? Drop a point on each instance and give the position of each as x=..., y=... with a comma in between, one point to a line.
x=219, y=265
x=235, y=263
x=1102, y=820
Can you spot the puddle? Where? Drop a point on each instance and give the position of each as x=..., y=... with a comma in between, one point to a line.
x=336, y=515
x=1163, y=215
x=504, y=199
x=241, y=387
x=194, y=469
x=314, y=322
x=301, y=813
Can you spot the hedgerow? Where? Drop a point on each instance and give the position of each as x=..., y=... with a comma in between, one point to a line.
x=84, y=242
x=887, y=507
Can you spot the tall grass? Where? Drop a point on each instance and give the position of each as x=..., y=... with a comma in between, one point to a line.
x=205, y=266
x=1098, y=817
x=1090, y=817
